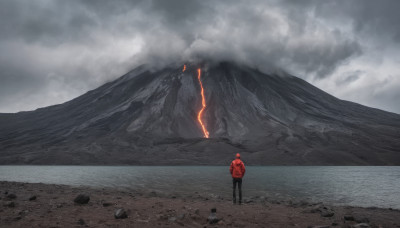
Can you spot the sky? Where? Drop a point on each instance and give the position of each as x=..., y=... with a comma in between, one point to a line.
x=52, y=51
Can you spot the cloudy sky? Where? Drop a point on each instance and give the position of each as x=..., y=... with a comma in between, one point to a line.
x=54, y=50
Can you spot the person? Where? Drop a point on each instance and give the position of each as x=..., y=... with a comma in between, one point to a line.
x=237, y=170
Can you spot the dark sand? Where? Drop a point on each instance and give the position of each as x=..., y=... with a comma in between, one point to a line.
x=54, y=207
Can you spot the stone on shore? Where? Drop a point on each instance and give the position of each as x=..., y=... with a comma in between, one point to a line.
x=327, y=213
x=32, y=198
x=120, y=213
x=82, y=199
x=348, y=218
x=107, y=204
x=172, y=219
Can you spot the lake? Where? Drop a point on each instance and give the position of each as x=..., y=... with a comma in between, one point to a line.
x=366, y=186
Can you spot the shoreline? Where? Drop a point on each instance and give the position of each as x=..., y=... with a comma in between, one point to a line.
x=53, y=206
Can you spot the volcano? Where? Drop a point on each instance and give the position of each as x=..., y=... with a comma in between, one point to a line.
x=155, y=117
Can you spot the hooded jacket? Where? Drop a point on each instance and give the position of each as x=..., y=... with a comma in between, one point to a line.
x=237, y=168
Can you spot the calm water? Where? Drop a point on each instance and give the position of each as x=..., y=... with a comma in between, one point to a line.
x=354, y=185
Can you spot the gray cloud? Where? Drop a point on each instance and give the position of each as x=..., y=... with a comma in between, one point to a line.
x=57, y=50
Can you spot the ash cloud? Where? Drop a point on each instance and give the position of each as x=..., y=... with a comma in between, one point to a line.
x=52, y=51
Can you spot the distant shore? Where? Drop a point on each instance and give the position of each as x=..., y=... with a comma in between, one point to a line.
x=47, y=205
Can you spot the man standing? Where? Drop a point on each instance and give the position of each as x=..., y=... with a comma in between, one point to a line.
x=237, y=170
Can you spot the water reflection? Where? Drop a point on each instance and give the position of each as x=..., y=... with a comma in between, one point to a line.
x=354, y=185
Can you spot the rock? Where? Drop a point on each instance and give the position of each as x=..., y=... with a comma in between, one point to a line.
x=106, y=204
x=120, y=214
x=11, y=196
x=81, y=222
x=197, y=211
x=212, y=218
x=318, y=226
x=361, y=225
x=327, y=213
x=348, y=218
x=315, y=209
x=172, y=219
x=5, y=193
x=9, y=204
x=32, y=198
x=82, y=199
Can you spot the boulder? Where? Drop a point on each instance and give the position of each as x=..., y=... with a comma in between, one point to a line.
x=82, y=199
x=106, y=204
x=327, y=213
x=120, y=214
x=348, y=218
x=172, y=219
x=32, y=198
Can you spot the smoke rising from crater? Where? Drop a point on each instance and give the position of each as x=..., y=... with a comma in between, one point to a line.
x=52, y=51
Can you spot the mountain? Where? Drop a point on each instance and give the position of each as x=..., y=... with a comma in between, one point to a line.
x=151, y=117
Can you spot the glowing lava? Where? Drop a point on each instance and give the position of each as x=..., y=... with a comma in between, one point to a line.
x=203, y=102
x=184, y=68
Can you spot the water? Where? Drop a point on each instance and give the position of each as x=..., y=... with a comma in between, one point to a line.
x=369, y=186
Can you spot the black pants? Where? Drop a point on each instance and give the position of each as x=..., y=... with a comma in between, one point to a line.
x=239, y=183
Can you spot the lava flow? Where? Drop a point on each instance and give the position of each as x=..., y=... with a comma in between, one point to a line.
x=203, y=102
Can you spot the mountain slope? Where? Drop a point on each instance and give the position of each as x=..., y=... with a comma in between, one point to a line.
x=151, y=117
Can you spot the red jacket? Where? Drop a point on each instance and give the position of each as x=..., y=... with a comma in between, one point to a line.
x=237, y=168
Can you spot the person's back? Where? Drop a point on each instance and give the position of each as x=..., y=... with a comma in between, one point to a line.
x=237, y=170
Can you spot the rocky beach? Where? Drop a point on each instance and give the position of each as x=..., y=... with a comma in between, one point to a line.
x=47, y=205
